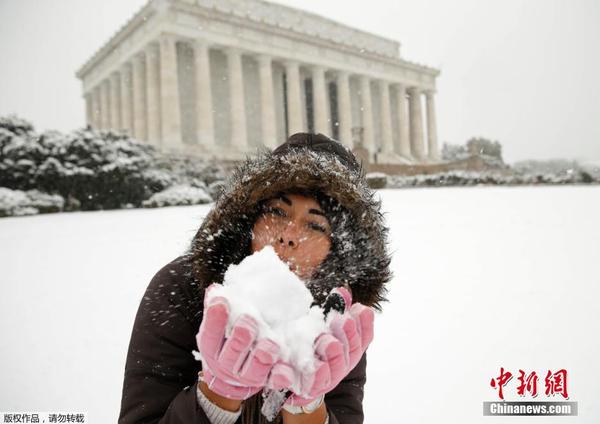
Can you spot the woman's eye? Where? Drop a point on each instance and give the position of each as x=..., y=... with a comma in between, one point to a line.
x=276, y=211
x=317, y=227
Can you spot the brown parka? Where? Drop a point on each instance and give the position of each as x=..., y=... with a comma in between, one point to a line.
x=161, y=369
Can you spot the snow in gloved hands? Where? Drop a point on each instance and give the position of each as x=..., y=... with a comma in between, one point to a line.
x=263, y=287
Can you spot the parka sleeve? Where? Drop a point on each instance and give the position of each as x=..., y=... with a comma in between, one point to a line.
x=161, y=372
x=344, y=403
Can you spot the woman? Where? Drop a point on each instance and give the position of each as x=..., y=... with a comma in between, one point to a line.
x=310, y=182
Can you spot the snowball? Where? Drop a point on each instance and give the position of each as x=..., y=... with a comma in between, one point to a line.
x=264, y=287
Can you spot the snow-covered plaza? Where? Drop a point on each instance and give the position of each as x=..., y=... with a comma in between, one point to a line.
x=484, y=278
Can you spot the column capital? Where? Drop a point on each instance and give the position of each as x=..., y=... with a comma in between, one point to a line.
x=201, y=42
x=138, y=57
x=430, y=92
x=232, y=51
x=166, y=36
x=291, y=63
x=415, y=90
x=152, y=48
x=264, y=59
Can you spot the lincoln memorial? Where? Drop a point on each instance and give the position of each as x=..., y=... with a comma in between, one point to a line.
x=219, y=78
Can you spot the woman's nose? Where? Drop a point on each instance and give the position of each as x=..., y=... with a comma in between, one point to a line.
x=287, y=241
x=289, y=237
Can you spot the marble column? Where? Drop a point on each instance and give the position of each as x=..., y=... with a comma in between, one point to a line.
x=367, y=114
x=294, y=98
x=344, y=108
x=139, y=98
x=115, y=102
x=204, y=102
x=432, y=142
x=386, y=118
x=404, y=132
x=169, y=94
x=97, y=108
x=89, y=109
x=267, y=98
x=126, y=99
x=416, y=123
x=104, y=104
x=239, y=137
x=153, y=94
x=320, y=103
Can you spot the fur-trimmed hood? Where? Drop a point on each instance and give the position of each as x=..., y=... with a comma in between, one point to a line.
x=359, y=254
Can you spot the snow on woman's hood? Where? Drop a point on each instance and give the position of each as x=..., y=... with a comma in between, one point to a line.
x=361, y=259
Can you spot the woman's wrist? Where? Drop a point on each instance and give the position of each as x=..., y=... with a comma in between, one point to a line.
x=318, y=416
x=231, y=405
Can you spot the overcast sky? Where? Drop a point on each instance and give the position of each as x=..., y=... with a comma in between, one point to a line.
x=523, y=72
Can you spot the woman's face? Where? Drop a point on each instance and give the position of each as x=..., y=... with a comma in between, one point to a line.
x=296, y=227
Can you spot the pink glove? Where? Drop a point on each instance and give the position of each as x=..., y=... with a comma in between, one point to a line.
x=237, y=366
x=336, y=354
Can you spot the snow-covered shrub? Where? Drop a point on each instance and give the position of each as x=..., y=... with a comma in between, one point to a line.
x=19, y=203
x=489, y=151
x=194, y=171
x=452, y=178
x=97, y=170
x=376, y=180
x=557, y=171
x=159, y=179
x=469, y=178
x=590, y=171
x=551, y=166
x=14, y=203
x=44, y=202
x=483, y=147
x=178, y=195
x=454, y=152
x=16, y=125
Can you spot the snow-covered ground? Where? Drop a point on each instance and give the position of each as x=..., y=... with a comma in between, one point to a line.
x=484, y=278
